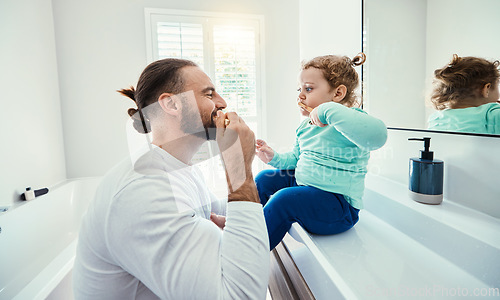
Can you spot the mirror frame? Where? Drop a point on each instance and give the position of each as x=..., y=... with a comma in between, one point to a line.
x=363, y=23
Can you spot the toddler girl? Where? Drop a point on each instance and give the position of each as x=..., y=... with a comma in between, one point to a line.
x=320, y=183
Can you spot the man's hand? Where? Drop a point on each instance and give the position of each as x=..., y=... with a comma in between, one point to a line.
x=237, y=146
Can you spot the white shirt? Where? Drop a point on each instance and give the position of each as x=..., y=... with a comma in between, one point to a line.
x=147, y=235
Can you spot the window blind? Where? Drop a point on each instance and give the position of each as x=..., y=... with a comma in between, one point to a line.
x=180, y=40
x=235, y=67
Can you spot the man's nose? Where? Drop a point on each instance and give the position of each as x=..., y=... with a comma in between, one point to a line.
x=220, y=102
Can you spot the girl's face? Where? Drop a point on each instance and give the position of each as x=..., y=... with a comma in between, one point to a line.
x=494, y=93
x=313, y=89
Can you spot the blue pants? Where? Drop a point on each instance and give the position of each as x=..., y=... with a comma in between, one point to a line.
x=285, y=202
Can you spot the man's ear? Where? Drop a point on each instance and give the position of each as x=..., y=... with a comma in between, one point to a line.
x=485, y=92
x=339, y=93
x=169, y=103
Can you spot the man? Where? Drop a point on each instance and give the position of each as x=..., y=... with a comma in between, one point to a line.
x=151, y=231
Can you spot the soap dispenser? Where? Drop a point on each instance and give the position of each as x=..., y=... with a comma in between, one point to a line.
x=426, y=175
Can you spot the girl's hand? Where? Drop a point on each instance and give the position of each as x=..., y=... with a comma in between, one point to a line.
x=313, y=115
x=220, y=221
x=263, y=151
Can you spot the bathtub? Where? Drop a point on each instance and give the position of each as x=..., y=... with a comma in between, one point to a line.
x=38, y=241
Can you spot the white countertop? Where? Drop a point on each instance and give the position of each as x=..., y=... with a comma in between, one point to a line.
x=401, y=248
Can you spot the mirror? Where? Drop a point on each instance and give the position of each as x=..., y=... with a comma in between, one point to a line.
x=406, y=40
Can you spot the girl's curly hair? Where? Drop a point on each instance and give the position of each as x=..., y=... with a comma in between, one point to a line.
x=462, y=79
x=339, y=70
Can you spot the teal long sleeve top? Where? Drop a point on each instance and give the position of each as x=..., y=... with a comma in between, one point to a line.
x=481, y=119
x=334, y=158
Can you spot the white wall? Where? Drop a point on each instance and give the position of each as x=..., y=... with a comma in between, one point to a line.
x=477, y=20
x=330, y=27
x=471, y=165
x=101, y=48
x=395, y=71
x=323, y=30
x=32, y=151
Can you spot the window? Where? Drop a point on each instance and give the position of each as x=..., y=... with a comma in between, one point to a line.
x=180, y=40
x=227, y=47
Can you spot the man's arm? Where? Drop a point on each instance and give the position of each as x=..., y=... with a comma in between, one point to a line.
x=237, y=146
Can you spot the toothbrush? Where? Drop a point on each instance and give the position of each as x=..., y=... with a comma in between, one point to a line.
x=309, y=109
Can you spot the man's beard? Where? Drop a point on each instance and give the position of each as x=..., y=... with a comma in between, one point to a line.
x=211, y=128
x=208, y=131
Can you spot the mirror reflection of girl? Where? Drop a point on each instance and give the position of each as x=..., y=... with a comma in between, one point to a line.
x=466, y=96
x=320, y=183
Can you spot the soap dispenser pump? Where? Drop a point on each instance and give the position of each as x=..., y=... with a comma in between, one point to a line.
x=426, y=175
